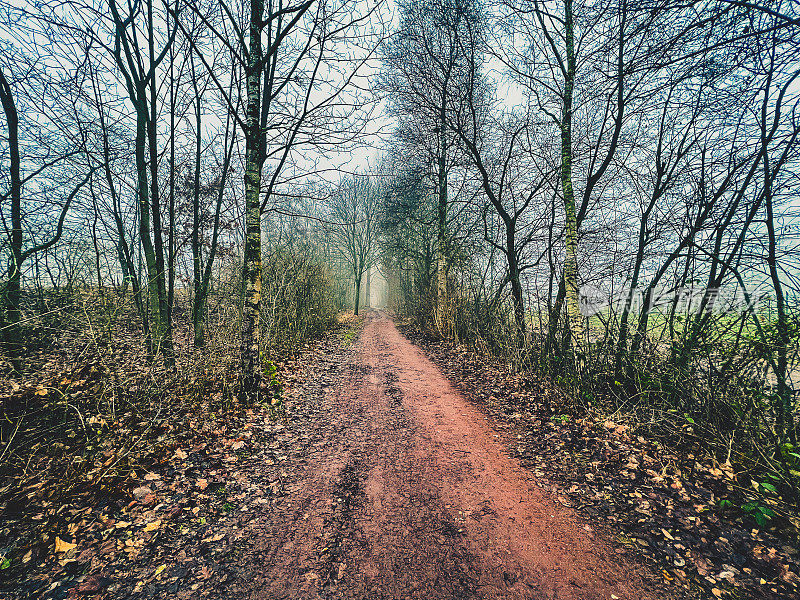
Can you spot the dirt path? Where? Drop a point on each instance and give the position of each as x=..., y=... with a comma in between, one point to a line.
x=405, y=491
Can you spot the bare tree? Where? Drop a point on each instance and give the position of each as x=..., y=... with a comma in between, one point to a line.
x=40, y=169
x=354, y=227
x=426, y=73
x=137, y=53
x=292, y=94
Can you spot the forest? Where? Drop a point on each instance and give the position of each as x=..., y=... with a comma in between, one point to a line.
x=289, y=289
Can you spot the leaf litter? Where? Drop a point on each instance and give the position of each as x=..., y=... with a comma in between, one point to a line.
x=161, y=517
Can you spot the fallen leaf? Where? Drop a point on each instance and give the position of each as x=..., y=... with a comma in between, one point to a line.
x=174, y=512
x=62, y=546
x=140, y=493
x=152, y=526
x=202, y=484
x=180, y=454
x=93, y=584
x=160, y=570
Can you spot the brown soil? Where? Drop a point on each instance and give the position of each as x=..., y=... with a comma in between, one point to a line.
x=404, y=490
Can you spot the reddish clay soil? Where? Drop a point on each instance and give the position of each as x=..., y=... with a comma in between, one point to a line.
x=404, y=490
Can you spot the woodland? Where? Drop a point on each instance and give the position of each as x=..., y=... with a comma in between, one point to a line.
x=586, y=213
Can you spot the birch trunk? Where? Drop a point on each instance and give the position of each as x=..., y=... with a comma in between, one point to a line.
x=441, y=242
x=574, y=318
x=251, y=310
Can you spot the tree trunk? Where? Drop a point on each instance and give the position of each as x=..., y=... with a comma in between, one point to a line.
x=171, y=238
x=574, y=318
x=124, y=254
x=622, y=342
x=96, y=245
x=12, y=293
x=514, y=279
x=154, y=317
x=784, y=415
x=358, y=294
x=251, y=275
x=201, y=296
x=163, y=339
x=783, y=399
x=517, y=298
x=197, y=305
x=441, y=313
x=367, y=298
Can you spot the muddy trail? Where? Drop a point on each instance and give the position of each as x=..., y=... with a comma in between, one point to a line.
x=401, y=489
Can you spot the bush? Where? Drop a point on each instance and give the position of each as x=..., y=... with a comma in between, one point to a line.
x=297, y=299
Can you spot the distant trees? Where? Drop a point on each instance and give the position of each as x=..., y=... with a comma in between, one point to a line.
x=302, y=279
x=353, y=227
x=427, y=74
x=408, y=235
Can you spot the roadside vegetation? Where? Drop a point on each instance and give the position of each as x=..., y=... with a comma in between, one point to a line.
x=642, y=257
x=89, y=415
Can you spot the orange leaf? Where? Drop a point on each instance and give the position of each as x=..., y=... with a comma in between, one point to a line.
x=62, y=546
x=152, y=526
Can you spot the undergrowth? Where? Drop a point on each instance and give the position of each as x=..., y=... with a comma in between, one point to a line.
x=725, y=414
x=89, y=413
